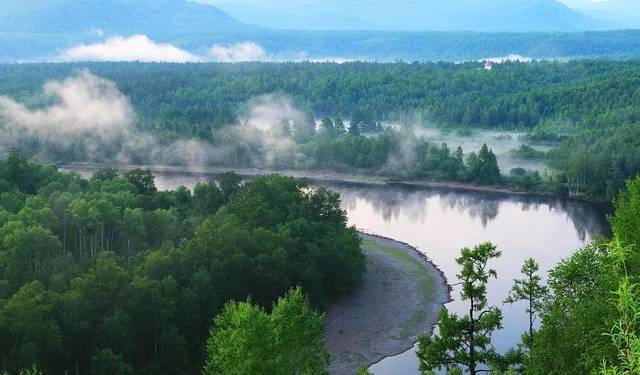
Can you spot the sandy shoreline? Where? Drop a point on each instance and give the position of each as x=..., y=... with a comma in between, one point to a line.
x=399, y=300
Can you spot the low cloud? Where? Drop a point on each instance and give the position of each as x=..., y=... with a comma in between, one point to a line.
x=133, y=48
x=267, y=111
x=141, y=48
x=81, y=102
x=239, y=52
x=73, y=116
x=85, y=118
x=508, y=58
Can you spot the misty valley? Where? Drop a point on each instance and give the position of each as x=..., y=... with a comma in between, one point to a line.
x=353, y=187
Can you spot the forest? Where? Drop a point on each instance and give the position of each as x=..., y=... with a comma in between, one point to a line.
x=110, y=275
x=562, y=105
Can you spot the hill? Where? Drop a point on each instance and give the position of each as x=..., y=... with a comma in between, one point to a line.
x=413, y=15
x=42, y=30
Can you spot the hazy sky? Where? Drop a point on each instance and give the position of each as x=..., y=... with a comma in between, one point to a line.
x=618, y=5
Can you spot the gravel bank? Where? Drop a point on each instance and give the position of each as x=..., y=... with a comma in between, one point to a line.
x=399, y=299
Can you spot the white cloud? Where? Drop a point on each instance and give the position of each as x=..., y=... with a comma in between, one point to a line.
x=508, y=58
x=81, y=112
x=80, y=102
x=239, y=52
x=133, y=48
x=267, y=111
x=141, y=48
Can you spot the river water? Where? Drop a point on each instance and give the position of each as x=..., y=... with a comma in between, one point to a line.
x=439, y=222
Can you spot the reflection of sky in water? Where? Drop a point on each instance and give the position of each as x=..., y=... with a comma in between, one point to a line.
x=440, y=223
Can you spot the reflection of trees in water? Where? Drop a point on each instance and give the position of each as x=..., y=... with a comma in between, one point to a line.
x=475, y=205
x=387, y=201
x=390, y=201
x=589, y=220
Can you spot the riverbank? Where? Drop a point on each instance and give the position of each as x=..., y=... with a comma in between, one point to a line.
x=317, y=175
x=401, y=294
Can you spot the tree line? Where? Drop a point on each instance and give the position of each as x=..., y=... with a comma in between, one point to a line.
x=566, y=105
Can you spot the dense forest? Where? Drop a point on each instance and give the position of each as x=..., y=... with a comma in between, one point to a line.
x=111, y=276
x=588, y=93
x=565, y=105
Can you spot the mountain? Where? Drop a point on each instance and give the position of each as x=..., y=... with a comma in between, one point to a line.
x=37, y=28
x=46, y=30
x=122, y=16
x=412, y=15
x=625, y=13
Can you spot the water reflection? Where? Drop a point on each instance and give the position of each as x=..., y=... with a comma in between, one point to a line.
x=392, y=202
x=440, y=222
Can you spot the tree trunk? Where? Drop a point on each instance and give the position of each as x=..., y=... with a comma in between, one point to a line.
x=472, y=349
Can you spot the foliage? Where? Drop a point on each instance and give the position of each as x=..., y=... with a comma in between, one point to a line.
x=465, y=341
x=561, y=104
x=247, y=340
x=531, y=291
x=624, y=333
x=626, y=219
x=113, y=276
x=579, y=319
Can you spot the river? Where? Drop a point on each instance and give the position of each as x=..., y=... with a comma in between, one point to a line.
x=440, y=222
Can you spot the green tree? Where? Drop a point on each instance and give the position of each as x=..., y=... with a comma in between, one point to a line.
x=30, y=334
x=354, y=129
x=246, y=340
x=207, y=198
x=465, y=341
x=106, y=362
x=339, y=126
x=530, y=290
x=483, y=167
x=575, y=319
x=229, y=183
x=363, y=371
x=626, y=219
x=298, y=333
x=142, y=179
x=327, y=129
x=624, y=333
x=29, y=252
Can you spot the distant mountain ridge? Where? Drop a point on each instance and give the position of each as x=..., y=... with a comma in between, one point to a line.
x=413, y=15
x=116, y=16
x=42, y=30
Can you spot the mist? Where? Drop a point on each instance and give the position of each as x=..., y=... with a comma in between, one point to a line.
x=85, y=118
x=502, y=143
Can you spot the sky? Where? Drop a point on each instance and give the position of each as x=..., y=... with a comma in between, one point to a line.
x=617, y=5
